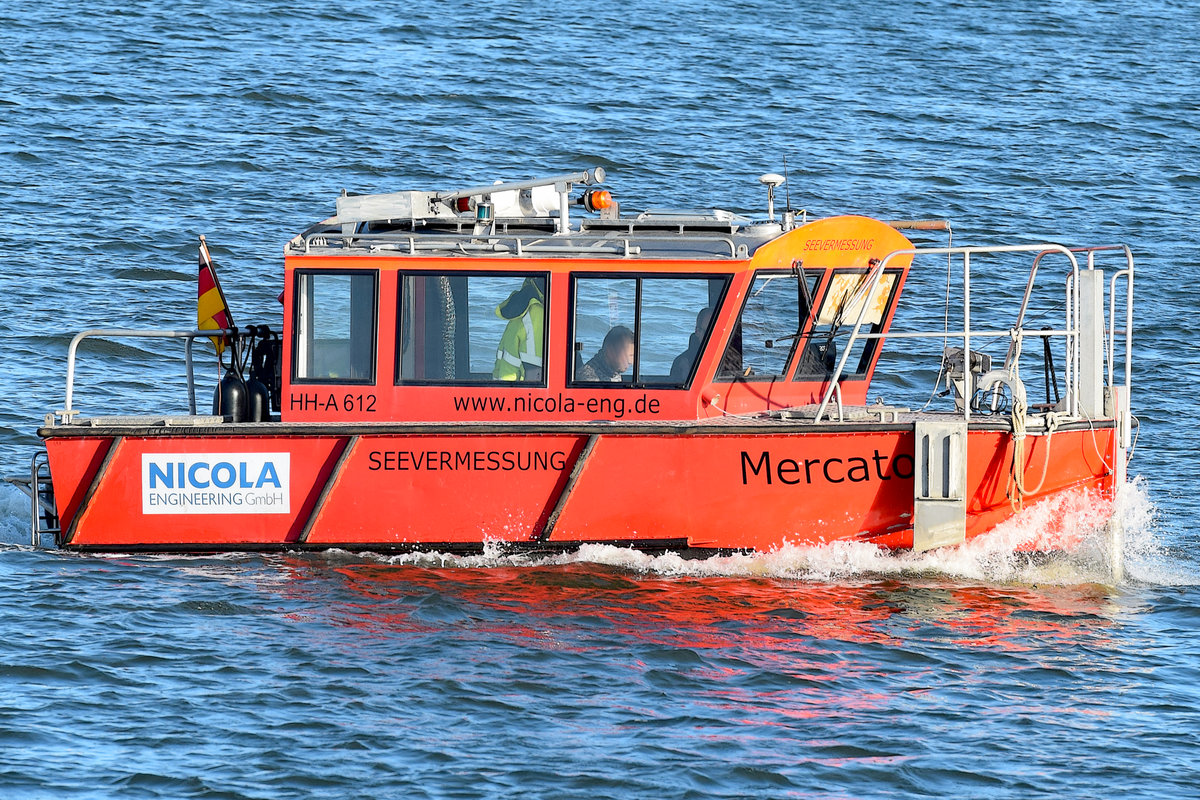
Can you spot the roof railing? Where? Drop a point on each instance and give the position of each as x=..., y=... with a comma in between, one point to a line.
x=406, y=243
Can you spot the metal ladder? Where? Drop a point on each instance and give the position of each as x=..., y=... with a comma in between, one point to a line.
x=43, y=513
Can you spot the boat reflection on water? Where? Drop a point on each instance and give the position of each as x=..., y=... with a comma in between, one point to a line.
x=772, y=622
x=829, y=656
x=770, y=609
x=732, y=659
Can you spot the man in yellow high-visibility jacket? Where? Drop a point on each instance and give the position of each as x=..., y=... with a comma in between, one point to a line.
x=519, y=356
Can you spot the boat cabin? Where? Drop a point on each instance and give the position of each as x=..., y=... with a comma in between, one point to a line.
x=541, y=301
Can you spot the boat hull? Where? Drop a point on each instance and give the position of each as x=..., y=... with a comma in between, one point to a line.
x=387, y=488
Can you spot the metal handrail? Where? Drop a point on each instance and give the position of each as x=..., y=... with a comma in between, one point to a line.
x=1014, y=350
x=36, y=503
x=1112, y=315
x=521, y=245
x=1072, y=364
x=1112, y=323
x=988, y=334
x=586, y=177
x=966, y=332
x=68, y=410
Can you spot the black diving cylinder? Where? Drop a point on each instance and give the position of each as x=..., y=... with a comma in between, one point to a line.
x=258, y=401
x=231, y=397
x=262, y=368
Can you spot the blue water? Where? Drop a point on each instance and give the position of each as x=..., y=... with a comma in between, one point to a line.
x=128, y=129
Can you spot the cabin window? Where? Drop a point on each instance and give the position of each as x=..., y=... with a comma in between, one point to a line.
x=472, y=328
x=835, y=318
x=335, y=327
x=646, y=330
x=774, y=314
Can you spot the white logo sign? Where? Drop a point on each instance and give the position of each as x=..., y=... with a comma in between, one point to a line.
x=216, y=483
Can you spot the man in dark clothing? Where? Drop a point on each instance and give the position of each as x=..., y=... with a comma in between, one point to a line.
x=681, y=367
x=614, y=358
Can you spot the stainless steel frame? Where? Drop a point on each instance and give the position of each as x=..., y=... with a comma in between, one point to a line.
x=1070, y=331
x=68, y=409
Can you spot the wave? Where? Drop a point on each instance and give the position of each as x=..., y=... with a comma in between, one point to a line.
x=1005, y=555
x=14, y=516
x=1001, y=556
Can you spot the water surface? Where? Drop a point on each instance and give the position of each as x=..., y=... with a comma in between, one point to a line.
x=126, y=131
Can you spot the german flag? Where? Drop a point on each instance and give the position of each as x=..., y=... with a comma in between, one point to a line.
x=212, y=312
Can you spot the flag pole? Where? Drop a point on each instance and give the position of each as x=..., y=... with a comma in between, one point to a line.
x=213, y=311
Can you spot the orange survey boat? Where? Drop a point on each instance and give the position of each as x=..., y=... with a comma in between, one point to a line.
x=523, y=363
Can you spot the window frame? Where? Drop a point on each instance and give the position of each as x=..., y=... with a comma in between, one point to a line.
x=402, y=275
x=298, y=302
x=726, y=280
x=872, y=347
x=788, y=364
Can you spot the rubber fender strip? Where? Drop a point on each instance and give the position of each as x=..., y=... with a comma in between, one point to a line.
x=568, y=487
x=91, y=490
x=334, y=473
x=654, y=546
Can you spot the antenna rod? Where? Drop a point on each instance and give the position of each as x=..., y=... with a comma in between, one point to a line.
x=787, y=189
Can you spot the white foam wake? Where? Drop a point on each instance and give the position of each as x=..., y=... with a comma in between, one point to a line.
x=14, y=515
x=1000, y=556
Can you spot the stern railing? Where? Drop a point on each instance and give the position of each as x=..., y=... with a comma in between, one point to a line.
x=68, y=411
x=1017, y=334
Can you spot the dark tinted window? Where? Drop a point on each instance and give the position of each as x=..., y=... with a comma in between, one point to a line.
x=773, y=315
x=457, y=328
x=646, y=330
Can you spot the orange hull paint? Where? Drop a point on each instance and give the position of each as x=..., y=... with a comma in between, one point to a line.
x=718, y=490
